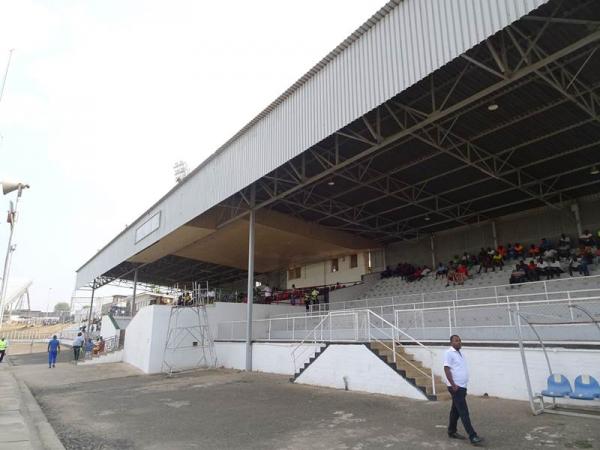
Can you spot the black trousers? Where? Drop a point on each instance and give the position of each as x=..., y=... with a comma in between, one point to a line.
x=76, y=351
x=2, y=352
x=460, y=409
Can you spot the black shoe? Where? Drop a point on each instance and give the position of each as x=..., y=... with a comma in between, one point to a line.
x=455, y=435
x=476, y=440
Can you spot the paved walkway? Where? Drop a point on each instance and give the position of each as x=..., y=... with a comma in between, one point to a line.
x=227, y=409
x=23, y=425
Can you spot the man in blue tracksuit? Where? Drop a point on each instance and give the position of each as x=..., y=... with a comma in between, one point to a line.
x=53, y=350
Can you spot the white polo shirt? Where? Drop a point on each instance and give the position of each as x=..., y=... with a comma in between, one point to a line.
x=458, y=367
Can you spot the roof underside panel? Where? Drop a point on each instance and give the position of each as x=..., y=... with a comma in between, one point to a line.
x=400, y=45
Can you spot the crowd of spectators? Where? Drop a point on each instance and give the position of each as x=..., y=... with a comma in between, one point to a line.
x=530, y=263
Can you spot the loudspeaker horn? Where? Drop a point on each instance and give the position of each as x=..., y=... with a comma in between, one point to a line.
x=10, y=186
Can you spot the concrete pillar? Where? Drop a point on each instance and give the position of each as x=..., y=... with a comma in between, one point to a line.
x=432, y=240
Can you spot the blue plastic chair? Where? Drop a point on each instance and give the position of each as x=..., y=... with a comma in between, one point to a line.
x=558, y=386
x=586, y=388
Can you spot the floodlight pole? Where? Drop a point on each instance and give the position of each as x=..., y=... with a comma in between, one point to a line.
x=4, y=286
x=250, y=295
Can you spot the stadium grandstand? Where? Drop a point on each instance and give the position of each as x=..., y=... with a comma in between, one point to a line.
x=437, y=172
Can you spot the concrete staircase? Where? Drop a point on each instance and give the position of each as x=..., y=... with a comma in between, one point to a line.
x=309, y=362
x=408, y=372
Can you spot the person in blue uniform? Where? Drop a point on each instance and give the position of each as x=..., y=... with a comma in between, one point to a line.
x=53, y=350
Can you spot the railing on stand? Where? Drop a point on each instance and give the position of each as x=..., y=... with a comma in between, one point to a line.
x=359, y=326
x=545, y=289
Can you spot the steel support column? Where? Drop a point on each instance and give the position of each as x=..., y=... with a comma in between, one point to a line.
x=575, y=210
x=250, y=294
x=89, y=324
x=135, y=279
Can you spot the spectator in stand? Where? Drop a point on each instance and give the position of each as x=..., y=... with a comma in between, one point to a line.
x=307, y=301
x=416, y=275
x=485, y=261
x=451, y=275
x=545, y=244
x=314, y=296
x=518, y=275
x=564, y=246
x=501, y=251
x=497, y=261
x=532, y=272
x=510, y=251
x=465, y=258
x=462, y=273
x=555, y=268
x=549, y=254
x=586, y=239
x=580, y=264
x=519, y=250
x=268, y=294
x=542, y=268
x=387, y=273
x=586, y=253
x=293, y=295
x=533, y=251
x=441, y=271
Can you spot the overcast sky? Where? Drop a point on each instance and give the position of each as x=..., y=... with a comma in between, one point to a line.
x=103, y=96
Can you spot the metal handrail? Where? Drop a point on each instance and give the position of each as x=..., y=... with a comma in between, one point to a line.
x=295, y=349
x=395, y=354
x=456, y=291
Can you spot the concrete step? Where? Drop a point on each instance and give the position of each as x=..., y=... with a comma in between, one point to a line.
x=443, y=395
x=400, y=356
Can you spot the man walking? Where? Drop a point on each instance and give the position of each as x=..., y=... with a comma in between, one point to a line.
x=53, y=350
x=77, y=344
x=3, y=345
x=457, y=377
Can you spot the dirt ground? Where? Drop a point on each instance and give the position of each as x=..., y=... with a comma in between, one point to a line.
x=113, y=406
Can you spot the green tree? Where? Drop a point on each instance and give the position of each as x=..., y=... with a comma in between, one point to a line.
x=62, y=307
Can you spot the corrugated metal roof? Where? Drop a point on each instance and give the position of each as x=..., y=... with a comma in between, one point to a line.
x=398, y=46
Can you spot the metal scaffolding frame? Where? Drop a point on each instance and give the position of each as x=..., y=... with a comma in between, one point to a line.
x=193, y=338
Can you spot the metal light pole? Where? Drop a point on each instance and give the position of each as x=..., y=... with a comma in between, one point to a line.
x=8, y=187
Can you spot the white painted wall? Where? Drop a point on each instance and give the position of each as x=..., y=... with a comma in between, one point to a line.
x=146, y=334
x=266, y=356
x=499, y=371
x=319, y=273
x=108, y=329
x=362, y=369
x=138, y=339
